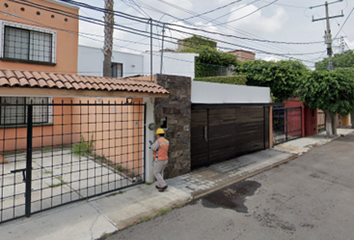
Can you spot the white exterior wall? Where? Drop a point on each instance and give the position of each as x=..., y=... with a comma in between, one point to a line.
x=217, y=93
x=180, y=64
x=90, y=62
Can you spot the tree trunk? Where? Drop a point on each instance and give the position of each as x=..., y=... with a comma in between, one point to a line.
x=107, y=71
x=352, y=119
x=329, y=126
x=334, y=124
x=108, y=37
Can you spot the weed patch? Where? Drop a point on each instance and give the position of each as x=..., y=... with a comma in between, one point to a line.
x=83, y=148
x=113, y=194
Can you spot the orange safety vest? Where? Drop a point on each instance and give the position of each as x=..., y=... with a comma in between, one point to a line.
x=163, y=149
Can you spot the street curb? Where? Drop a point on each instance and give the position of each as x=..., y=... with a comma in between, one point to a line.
x=243, y=177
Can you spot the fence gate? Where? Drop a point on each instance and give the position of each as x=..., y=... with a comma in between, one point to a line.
x=287, y=124
x=58, y=153
x=321, y=121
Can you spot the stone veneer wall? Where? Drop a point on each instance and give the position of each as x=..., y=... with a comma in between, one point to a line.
x=177, y=109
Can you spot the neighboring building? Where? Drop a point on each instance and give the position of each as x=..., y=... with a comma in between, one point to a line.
x=90, y=62
x=243, y=55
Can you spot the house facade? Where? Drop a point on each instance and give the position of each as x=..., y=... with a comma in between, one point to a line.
x=64, y=136
x=31, y=41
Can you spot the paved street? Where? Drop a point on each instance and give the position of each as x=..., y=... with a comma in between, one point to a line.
x=308, y=198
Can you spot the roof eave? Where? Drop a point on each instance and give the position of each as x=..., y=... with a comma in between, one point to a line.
x=55, y=92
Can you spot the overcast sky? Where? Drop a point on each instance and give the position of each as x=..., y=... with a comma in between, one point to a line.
x=284, y=20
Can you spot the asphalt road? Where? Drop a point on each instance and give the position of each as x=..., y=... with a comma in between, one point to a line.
x=311, y=197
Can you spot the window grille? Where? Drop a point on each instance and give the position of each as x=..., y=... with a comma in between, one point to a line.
x=15, y=113
x=27, y=45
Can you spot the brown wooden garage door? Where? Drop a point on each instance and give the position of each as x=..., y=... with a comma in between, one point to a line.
x=220, y=134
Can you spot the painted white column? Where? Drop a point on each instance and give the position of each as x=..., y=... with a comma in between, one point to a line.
x=150, y=135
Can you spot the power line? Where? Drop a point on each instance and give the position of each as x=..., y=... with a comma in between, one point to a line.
x=345, y=21
x=101, y=23
x=227, y=27
x=213, y=20
x=204, y=13
x=287, y=5
x=164, y=13
x=75, y=33
x=221, y=34
x=133, y=31
x=143, y=12
x=237, y=19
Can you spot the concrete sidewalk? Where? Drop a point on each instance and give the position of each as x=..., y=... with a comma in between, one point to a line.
x=303, y=145
x=108, y=213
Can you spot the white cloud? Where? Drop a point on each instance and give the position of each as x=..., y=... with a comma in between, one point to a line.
x=258, y=21
x=350, y=44
x=271, y=58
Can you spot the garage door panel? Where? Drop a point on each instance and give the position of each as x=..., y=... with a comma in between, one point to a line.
x=231, y=133
x=199, y=146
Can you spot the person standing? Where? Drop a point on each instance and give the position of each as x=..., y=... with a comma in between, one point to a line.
x=160, y=148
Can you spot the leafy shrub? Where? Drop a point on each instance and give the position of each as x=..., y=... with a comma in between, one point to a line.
x=234, y=79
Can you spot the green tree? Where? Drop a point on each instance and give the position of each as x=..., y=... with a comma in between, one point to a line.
x=210, y=60
x=281, y=77
x=196, y=42
x=332, y=92
x=343, y=60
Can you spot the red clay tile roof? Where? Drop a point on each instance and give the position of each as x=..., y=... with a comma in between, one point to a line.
x=28, y=79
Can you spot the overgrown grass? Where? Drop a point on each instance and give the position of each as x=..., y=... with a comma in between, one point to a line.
x=48, y=172
x=18, y=152
x=120, y=168
x=106, y=235
x=47, y=149
x=58, y=184
x=113, y=194
x=83, y=148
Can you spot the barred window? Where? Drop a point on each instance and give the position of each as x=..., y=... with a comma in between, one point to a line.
x=27, y=44
x=16, y=112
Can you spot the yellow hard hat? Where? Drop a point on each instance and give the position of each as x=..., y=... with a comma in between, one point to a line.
x=160, y=131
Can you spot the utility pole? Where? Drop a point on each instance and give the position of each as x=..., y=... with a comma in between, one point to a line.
x=108, y=37
x=150, y=49
x=163, y=37
x=328, y=35
x=331, y=125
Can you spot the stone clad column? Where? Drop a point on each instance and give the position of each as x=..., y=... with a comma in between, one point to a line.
x=177, y=110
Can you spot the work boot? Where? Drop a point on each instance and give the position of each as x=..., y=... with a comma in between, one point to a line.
x=163, y=188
